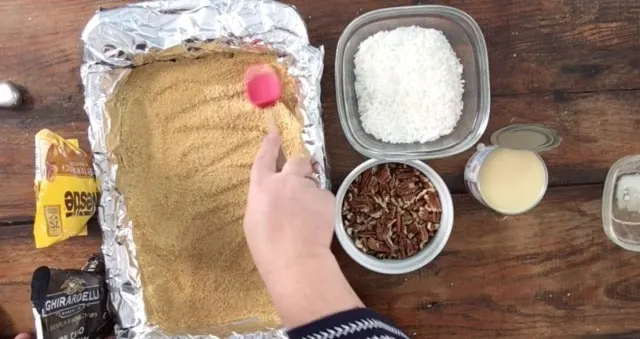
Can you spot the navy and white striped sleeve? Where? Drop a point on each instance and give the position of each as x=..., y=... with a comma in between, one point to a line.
x=351, y=324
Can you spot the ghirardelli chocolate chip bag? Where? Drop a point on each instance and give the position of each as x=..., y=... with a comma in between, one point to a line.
x=71, y=304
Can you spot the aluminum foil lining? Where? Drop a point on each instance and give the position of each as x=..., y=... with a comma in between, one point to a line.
x=118, y=39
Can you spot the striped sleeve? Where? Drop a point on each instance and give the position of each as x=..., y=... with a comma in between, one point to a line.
x=351, y=324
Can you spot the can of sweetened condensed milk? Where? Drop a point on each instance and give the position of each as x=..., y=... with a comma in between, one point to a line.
x=510, y=176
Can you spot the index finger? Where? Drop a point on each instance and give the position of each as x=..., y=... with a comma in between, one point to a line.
x=267, y=157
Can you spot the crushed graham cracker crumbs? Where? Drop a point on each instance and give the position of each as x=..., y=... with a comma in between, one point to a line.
x=185, y=138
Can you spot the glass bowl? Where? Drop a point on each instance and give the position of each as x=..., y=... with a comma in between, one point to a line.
x=467, y=41
x=620, y=209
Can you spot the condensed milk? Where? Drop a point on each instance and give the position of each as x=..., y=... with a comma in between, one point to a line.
x=510, y=177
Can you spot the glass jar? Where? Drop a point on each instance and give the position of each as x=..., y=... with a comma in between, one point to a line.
x=621, y=203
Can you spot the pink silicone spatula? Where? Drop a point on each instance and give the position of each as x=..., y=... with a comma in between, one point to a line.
x=262, y=85
x=264, y=89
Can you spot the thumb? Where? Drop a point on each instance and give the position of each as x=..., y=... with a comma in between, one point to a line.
x=266, y=159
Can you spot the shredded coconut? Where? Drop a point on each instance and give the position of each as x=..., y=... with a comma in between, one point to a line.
x=408, y=84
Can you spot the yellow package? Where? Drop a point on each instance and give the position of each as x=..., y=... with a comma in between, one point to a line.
x=66, y=191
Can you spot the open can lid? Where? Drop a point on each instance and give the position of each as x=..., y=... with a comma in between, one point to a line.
x=534, y=138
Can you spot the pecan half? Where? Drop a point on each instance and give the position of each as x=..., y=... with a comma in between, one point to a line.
x=424, y=236
x=359, y=203
x=384, y=176
x=377, y=246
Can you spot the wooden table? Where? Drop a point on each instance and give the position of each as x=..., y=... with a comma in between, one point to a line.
x=572, y=65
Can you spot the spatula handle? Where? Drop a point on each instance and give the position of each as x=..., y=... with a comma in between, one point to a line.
x=273, y=127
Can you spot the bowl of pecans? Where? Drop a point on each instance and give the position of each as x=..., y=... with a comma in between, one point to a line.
x=393, y=217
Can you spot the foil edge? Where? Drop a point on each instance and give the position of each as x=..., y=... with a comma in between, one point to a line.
x=117, y=39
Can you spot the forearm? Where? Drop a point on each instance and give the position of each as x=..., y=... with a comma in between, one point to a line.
x=310, y=290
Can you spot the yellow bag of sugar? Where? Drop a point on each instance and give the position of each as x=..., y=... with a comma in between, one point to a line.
x=66, y=191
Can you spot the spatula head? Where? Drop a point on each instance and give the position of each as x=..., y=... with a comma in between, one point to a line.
x=262, y=85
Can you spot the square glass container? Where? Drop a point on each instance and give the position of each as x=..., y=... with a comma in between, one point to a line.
x=620, y=206
x=467, y=41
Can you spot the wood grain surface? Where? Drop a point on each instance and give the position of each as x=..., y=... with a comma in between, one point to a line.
x=540, y=53
x=597, y=128
x=549, y=273
x=19, y=258
x=573, y=65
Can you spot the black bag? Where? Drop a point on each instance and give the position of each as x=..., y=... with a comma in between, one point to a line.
x=71, y=304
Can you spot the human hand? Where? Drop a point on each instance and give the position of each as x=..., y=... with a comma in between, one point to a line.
x=289, y=219
x=289, y=226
